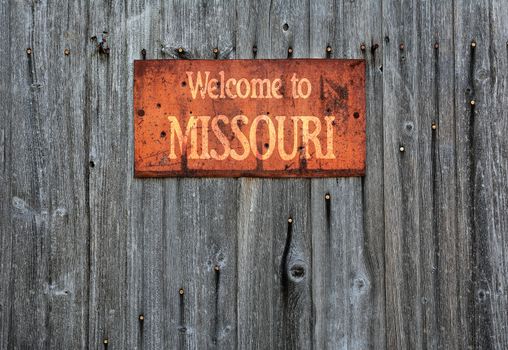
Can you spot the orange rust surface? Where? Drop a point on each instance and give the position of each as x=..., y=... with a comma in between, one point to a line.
x=163, y=98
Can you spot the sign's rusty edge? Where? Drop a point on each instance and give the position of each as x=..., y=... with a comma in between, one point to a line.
x=297, y=173
x=255, y=60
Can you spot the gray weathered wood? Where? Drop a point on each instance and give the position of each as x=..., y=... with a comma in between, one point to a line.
x=435, y=130
x=205, y=225
x=347, y=269
x=274, y=256
x=481, y=168
x=411, y=256
x=44, y=217
x=401, y=177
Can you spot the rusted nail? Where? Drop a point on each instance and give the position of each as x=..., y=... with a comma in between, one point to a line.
x=473, y=44
x=327, y=196
x=401, y=46
x=143, y=53
x=29, y=51
x=362, y=47
x=436, y=46
x=402, y=149
x=472, y=102
x=67, y=52
x=290, y=220
x=216, y=268
x=290, y=50
x=328, y=49
x=181, y=291
x=434, y=126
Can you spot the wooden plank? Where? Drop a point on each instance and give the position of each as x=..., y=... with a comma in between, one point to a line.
x=258, y=273
x=493, y=165
x=436, y=151
x=6, y=101
x=481, y=168
x=401, y=177
x=146, y=263
x=347, y=215
x=44, y=219
x=329, y=328
x=199, y=214
x=469, y=26
x=274, y=300
x=109, y=179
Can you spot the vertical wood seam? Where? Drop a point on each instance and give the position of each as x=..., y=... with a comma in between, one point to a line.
x=86, y=164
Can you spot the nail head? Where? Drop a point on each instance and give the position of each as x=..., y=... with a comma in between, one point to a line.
x=215, y=50
x=28, y=51
x=67, y=52
x=473, y=44
x=362, y=47
x=180, y=50
x=290, y=220
x=436, y=45
x=181, y=291
x=327, y=196
x=105, y=341
x=328, y=49
x=290, y=50
x=401, y=46
x=473, y=102
x=434, y=126
x=402, y=149
x=141, y=317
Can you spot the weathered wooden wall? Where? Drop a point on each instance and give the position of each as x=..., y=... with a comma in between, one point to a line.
x=412, y=256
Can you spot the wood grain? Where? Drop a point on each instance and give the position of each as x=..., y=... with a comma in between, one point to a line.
x=347, y=215
x=413, y=255
x=44, y=217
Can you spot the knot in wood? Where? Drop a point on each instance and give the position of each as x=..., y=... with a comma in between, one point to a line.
x=482, y=295
x=297, y=272
x=360, y=285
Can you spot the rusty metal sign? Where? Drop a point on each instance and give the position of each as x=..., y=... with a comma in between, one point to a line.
x=260, y=118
